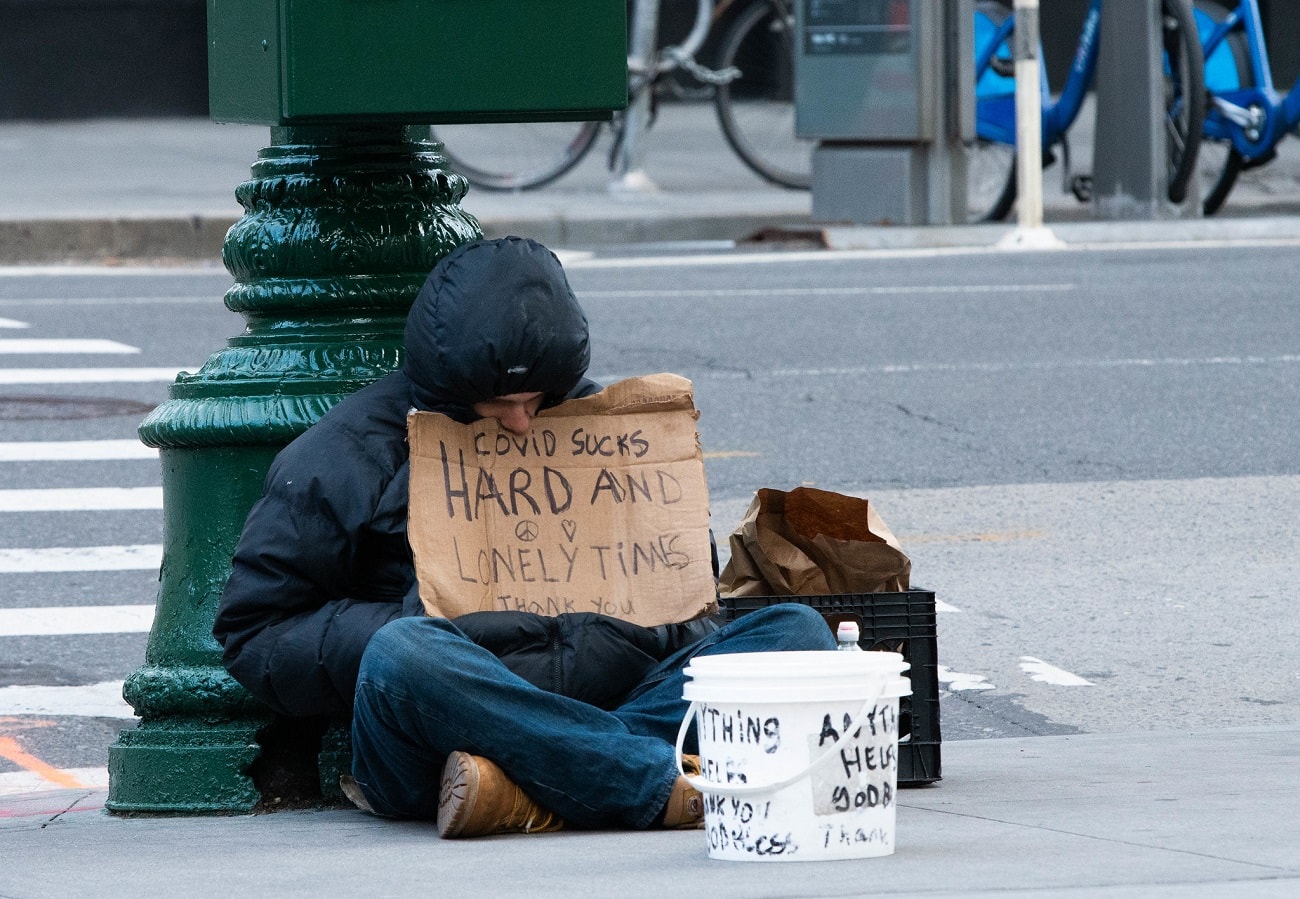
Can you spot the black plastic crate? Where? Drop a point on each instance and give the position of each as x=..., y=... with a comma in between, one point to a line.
x=901, y=622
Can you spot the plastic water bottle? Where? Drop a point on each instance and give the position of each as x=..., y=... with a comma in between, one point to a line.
x=847, y=636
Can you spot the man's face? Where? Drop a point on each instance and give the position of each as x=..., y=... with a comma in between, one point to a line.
x=514, y=411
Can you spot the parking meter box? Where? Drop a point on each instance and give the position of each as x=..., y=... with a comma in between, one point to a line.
x=308, y=62
x=901, y=622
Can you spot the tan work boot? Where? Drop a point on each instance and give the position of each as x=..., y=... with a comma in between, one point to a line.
x=685, y=808
x=352, y=790
x=477, y=799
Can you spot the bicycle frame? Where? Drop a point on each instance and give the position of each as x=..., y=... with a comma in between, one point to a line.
x=995, y=111
x=1254, y=118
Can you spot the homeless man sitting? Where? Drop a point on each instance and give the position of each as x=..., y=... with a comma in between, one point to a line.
x=495, y=722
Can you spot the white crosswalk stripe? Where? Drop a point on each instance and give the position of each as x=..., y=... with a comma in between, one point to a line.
x=65, y=620
x=91, y=375
x=102, y=700
x=81, y=499
x=74, y=450
x=36, y=345
x=32, y=702
x=143, y=556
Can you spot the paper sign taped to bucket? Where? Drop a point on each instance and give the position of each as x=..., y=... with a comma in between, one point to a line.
x=601, y=507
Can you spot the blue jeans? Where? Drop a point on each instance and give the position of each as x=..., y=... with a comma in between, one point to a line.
x=426, y=690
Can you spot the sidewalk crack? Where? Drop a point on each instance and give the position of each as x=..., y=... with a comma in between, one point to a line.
x=71, y=805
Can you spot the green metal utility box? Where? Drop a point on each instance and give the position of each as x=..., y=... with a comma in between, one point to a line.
x=309, y=62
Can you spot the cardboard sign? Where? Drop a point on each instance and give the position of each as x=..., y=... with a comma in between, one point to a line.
x=601, y=507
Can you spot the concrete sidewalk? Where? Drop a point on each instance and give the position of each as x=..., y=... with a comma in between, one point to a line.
x=133, y=189
x=142, y=189
x=1201, y=814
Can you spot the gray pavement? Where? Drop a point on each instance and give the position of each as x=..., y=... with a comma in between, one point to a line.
x=1209, y=814
x=144, y=189
x=1140, y=814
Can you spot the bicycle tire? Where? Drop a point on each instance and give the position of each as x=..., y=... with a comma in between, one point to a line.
x=991, y=185
x=1184, y=71
x=990, y=180
x=516, y=156
x=1227, y=68
x=756, y=111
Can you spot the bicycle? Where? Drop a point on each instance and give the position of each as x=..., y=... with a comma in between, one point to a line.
x=991, y=158
x=752, y=90
x=1247, y=116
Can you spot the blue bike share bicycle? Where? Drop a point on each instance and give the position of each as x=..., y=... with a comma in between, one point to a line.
x=1247, y=117
x=991, y=159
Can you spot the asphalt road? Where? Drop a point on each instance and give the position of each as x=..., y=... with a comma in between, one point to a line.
x=1092, y=457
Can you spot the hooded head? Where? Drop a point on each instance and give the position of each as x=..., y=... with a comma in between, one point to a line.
x=494, y=318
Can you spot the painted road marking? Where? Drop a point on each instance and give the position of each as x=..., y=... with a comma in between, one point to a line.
x=976, y=537
x=16, y=783
x=60, y=345
x=1039, y=670
x=1000, y=367
x=849, y=255
x=81, y=499
x=941, y=606
x=731, y=454
x=134, y=271
x=74, y=450
x=135, y=557
x=90, y=375
x=956, y=681
x=899, y=290
x=110, y=301
x=63, y=620
x=103, y=700
x=978, y=367
x=12, y=323
x=11, y=751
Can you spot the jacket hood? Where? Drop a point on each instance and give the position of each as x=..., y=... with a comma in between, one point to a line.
x=494, y=318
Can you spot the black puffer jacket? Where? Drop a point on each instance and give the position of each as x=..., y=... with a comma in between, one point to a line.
x=324, y=562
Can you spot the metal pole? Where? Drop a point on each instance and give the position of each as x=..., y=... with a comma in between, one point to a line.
x=1128, y=162
x=1030, y=233
x=628, y=163
x=1029, y=115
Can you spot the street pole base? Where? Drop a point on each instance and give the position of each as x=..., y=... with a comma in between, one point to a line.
x=633, y=182
x=1040, y=238
x=183, y=769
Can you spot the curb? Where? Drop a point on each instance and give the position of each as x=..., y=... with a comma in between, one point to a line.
x=1075, y=234
x=194, y=238
x=564, y=231
x=110, y=241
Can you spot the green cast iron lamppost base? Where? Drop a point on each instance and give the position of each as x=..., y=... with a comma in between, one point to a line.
x=341, y=226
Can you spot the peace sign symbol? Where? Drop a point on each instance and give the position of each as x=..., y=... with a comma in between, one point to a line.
x=526, y=531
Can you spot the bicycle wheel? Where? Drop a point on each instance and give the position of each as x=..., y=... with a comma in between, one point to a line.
x=1226, y=69
x=991, y=165
x=1184, y=70
x=756, y=111
x=990, y=180
x=516, y=156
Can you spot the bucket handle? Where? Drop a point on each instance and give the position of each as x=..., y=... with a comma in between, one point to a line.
x=709, y=786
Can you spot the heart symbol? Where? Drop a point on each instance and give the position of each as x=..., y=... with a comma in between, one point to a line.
x=570, y=528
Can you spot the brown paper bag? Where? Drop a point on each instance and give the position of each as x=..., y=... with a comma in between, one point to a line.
x=808, y=542
x=601, y=507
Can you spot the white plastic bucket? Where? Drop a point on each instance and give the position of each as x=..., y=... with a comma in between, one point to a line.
x=799, y=752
